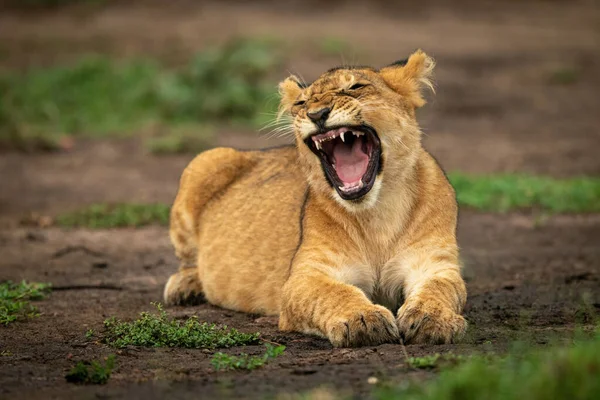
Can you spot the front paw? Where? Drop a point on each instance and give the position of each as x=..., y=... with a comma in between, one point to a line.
x=429, y=321
x=370, y=326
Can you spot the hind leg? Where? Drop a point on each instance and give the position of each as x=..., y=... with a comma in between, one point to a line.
x=184, y=288
x=206, y=175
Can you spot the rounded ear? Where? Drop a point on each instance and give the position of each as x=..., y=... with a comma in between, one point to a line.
x=289, y=90
x=410, y=77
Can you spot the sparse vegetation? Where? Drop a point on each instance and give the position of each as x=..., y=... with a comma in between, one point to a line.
x=158, y=330
x=15, y=300
x=102, y=216
x=91, y=372
x=557, y=373
x=564, y=76
x=499, y=193
x=428, y=361
x=221, y=361
x=510, y=192
x=98, y=96
x=92, y=97
x=189, y=139
x=226, y=84
x=431, y=361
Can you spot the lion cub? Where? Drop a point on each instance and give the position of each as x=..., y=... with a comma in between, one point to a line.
x=348, y=234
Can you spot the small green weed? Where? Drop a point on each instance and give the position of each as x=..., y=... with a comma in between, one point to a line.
x=431, y=361
x=510, y=192
x=89, y=334
x=221, y=361
x=99, y=216
x=15, y=300
x=157, y=330
x=425, y=362
x=91, y=372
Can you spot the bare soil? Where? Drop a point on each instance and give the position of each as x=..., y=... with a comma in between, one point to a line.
x=498, y=109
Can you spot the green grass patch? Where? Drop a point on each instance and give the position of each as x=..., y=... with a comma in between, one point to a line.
x=425, y=362
x=221, y=361
x=432, y=361
x=511, y=192
x=103, y=216
x=158, y=330
x=15, y=300
x=93, y=97
x=554, y=373
x=92, y=372
x=496, y=193
x=98, y=96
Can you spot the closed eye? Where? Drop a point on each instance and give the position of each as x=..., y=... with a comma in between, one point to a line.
x=357, y=86
x=299, y=102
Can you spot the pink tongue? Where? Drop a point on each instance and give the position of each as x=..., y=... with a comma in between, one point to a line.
x=350, y=162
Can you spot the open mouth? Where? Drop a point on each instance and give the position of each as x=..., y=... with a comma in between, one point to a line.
x=350, y=156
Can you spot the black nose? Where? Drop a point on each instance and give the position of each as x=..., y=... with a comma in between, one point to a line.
x=320, y=115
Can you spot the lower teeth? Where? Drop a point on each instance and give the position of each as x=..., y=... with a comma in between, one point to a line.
x=355, y=187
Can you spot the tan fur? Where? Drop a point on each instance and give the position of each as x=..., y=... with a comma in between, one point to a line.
x=263, y=231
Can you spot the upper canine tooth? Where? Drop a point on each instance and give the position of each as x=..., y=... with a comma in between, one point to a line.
x=342, y=136
x=318, y=145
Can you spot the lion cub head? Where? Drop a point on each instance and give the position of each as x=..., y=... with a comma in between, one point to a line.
x=353, y=126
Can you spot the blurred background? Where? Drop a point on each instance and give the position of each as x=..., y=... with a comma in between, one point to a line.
x=105, y=94
x=104, y=102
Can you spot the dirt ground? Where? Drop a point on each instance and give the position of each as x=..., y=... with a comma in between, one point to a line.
x=498, y=108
